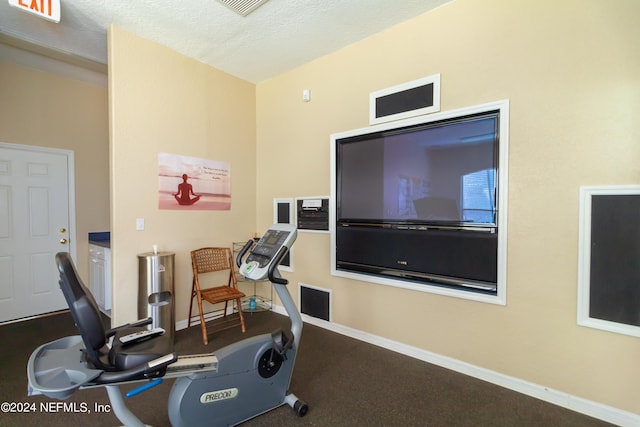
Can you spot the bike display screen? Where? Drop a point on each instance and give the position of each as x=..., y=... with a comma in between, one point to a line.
x=268, y=245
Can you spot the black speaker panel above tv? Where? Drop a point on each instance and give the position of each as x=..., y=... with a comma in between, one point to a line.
x=405, y=100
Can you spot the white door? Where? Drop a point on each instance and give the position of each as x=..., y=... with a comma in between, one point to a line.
x=35, y=224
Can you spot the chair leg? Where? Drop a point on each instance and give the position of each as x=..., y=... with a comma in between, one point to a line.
x=203, y=326
x=239, y=302
x=193, y=294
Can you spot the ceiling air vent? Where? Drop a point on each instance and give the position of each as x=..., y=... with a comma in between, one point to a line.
x=243, y=7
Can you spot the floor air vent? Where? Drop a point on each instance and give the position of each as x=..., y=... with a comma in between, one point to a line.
x=315, y=302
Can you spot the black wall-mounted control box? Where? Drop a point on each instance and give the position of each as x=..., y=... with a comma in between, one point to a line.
x=313, y=214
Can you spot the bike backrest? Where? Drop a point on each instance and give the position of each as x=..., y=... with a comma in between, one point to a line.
x=84, y=309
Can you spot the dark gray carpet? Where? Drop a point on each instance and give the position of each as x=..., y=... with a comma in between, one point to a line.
x=345, y=382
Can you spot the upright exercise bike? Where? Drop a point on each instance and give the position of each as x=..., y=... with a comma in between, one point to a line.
x=253, y=375
x=231, y=385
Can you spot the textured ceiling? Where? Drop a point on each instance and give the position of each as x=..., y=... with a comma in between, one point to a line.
x=276, y=37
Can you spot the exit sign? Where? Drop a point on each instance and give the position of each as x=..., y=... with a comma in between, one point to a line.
x=47, y=9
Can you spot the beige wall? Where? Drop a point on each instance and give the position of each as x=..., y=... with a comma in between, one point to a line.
x=572, y=74
x=48, y=110
x=161, y=101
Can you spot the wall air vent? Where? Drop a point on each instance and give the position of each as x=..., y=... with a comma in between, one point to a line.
x=243, y=7
x=314, y=302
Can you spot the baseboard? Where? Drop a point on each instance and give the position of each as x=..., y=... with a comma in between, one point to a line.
x=195, y=320
x=37, y=316
x=556, y=397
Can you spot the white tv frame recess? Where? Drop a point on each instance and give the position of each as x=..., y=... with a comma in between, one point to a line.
x=503, y=172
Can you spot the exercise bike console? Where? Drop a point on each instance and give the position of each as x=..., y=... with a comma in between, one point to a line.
x=267, y=253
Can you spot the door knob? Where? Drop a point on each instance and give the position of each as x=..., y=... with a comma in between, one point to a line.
x=63, y=241
x=63, y=230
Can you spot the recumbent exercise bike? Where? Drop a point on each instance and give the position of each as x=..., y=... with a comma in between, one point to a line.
x=231, y=385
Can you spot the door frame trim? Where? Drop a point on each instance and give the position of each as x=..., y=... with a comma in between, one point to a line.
x=71, y=183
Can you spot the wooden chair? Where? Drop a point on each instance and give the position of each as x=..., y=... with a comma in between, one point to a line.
x=210, y=260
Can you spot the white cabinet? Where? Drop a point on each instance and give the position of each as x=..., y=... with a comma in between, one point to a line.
x=100, y=276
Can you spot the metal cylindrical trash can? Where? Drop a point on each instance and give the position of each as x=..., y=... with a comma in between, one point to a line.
x=156, y=290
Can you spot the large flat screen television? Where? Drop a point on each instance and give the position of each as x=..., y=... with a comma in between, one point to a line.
x=421, y=200
x=437, y=174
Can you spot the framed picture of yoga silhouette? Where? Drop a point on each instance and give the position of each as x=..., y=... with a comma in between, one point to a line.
x=192, y=183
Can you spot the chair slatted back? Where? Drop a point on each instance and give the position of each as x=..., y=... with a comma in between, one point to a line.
x=211, y=260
